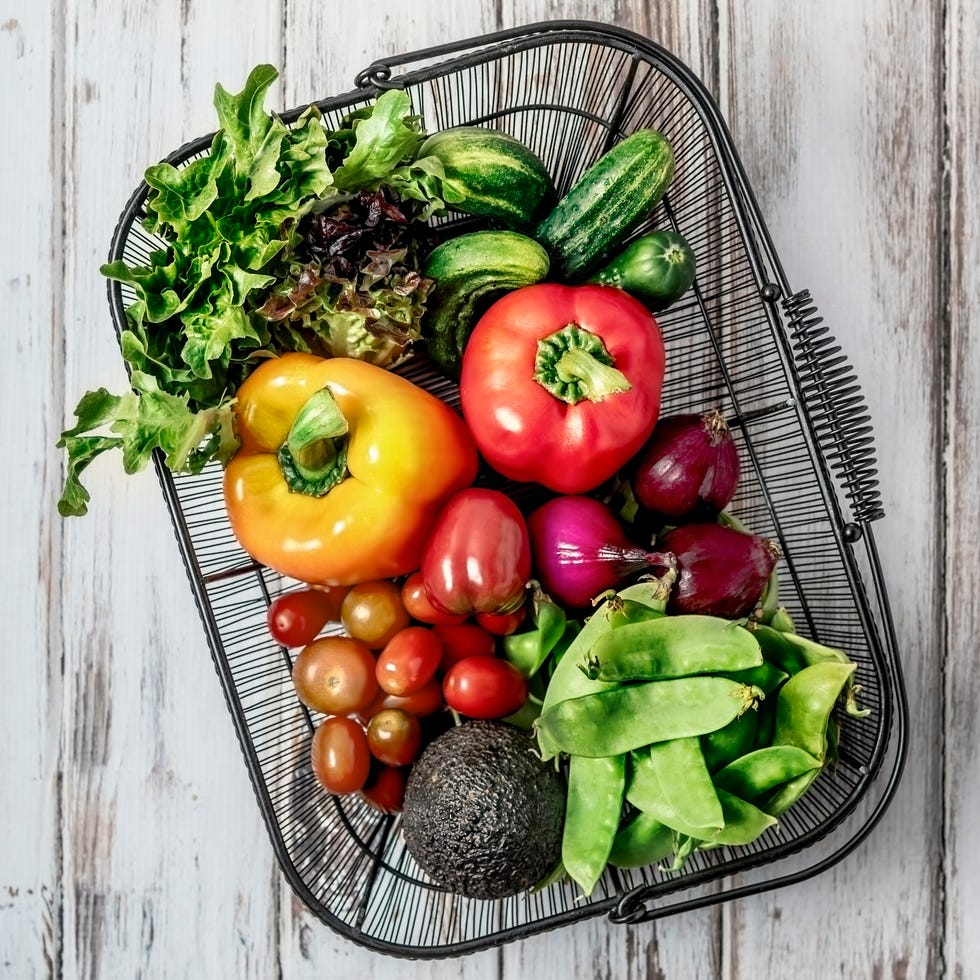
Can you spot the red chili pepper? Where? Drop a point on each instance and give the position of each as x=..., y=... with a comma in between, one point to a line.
x=561, y=385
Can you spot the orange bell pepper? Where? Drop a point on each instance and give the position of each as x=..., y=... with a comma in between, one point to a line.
x=342, y=468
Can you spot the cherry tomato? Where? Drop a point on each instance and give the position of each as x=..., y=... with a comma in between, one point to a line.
x=501, y=624
x=409, y=660
x=394, y=737
x=385, y=789
x=296, y=618
x=477, y=557
x=335, y=675
x=484, y=687
x=417, y=603
x=373, y=612
x=423, y=703
x=340, y=755
x=464, y=640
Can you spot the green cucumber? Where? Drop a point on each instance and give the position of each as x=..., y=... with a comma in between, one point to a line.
x=656, y=268
x=470, y=271
x=490, y=174
x=607, y=203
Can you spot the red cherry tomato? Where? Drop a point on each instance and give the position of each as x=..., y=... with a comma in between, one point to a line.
x=296, y=618
x=373, y=612
x=477, y=557
x=335, y=675
x=385, y=790
x=417, y=603
x=423, y=703
x=501, y=624
x=340, y=755
x=484, y=687
x=409, y=660
x=394, y=737
x=464, y=640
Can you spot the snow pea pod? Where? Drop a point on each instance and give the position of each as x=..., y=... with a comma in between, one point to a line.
x=673, y=646
x=782, y=798
x=641, y=600
x=529, y=649
x=685, y=781
x=742, y=823
x=631, y=716
x=734, y=739
x=805, y=703
x=594, y=802
x=643, y=840
x=753, y=775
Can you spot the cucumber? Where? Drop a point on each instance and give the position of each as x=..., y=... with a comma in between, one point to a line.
x=490, y=174
x=470, y=271
x=656, y=268
x=607, y=203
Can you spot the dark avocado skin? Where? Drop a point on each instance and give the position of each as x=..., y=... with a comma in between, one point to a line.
x=483, y=815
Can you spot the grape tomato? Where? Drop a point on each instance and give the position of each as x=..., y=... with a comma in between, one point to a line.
x=409, y=660
x=394, y=737
x=340, y=755
x=484, y=687
x=296, y=618
x=373, y=612
x=464, y=640
x=419, y=607
x=335, y=675
x=385, y=789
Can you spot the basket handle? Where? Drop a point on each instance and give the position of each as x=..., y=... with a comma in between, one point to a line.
x=378, y=74
x=836, y=407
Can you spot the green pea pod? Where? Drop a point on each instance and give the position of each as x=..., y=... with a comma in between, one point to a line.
x=811, y=652
x=781, y=620
x=529, y=649
x=733, y=740
x=685, y=781
x=631, y=716
x=753, y=775
x=672, y=646
x=765, y=676
x=782, y=798
x=642, y=841
x=805, y=703
x=567, y=681
x=777, y=650
x=742, y=822
x=593, y=807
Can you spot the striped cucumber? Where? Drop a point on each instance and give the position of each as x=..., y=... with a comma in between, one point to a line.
x=470, y=271
x=490, y=174
x=607, y=203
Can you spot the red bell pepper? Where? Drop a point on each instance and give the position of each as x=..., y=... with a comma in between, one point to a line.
x=561, y=385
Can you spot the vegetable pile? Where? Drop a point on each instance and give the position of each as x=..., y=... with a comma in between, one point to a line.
x=627, y=624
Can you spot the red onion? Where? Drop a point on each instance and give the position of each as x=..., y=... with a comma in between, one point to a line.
x=689, y=466
x=580, y=550
x=720, y=571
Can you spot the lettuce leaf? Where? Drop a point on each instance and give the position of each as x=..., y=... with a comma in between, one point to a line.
x=227, y=226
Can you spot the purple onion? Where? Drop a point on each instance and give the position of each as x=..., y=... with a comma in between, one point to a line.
x=688, y=467
x=579, y=550
x=720, y=571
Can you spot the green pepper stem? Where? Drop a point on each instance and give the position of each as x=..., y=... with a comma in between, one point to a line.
x=313, y=458
x=574, y=365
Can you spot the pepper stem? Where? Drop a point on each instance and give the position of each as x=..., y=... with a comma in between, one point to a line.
x=313, y=458
x=573, y=364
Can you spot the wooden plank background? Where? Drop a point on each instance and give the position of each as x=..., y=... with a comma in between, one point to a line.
x=131, y=844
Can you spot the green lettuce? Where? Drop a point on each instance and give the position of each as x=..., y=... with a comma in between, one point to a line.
x=227, y=226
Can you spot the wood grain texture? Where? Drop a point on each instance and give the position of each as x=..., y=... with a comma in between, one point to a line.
x=961, y=692
x=132, y=844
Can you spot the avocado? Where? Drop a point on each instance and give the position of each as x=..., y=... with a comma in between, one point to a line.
x=483, y=814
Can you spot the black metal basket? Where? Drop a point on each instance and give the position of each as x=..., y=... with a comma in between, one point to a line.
x=741, y=341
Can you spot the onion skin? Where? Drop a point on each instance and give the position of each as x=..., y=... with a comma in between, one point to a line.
x=720, y=571
x=689, y=467
x=579, y=550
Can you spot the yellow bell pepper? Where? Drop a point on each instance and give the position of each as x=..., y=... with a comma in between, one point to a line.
x=342, y=468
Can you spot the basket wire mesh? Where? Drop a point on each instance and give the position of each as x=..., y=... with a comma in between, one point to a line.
x=740, y=341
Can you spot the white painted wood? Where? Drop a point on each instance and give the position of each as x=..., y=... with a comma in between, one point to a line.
x=131, y=842
x=961, y=693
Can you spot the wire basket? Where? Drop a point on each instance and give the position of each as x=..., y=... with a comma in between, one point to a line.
x=741, y=341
